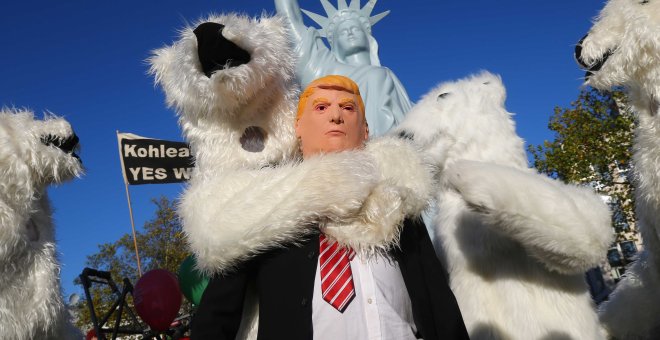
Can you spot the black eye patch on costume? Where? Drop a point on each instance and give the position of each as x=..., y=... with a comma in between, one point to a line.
x=442, y=95
x=215, y=52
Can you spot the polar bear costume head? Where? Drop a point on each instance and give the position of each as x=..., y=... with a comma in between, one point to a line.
x=622, y=48
x=465, y=119
x=490, y=205
x=236, y=104
x=33, y=155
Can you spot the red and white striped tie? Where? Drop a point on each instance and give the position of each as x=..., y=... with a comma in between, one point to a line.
x=336, y=277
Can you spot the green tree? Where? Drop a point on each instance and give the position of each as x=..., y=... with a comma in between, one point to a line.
x=161, y=244
x=592, y=146
x=591, y=138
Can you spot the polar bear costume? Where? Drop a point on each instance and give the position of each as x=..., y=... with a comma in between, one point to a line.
x=515, y=243
x=33, y=155
x=623, y=49
x=236, y=100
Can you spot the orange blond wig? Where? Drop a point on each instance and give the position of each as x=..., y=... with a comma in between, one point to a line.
x=332, y=82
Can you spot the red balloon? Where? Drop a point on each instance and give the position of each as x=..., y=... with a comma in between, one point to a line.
x=157, y=298
x=91, y=335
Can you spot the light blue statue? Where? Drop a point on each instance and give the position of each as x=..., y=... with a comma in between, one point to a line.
x=353, y=53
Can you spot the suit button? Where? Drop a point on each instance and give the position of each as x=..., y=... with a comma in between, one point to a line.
x=303, y=302
x=311, y=254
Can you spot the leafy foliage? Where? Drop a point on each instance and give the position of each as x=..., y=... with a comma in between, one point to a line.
x=161, y=244
x=592, y=145
x=590, y=138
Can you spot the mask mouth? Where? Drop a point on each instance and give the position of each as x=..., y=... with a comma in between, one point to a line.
x=215, y=52
x=594, y=67
x=67, y=144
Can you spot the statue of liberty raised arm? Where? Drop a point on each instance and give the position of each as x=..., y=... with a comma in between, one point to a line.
x=353, y=53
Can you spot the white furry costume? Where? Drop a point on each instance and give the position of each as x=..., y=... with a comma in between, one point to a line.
x=33, y=155
x=240, y=202
x=516, y=244
x=623, y=49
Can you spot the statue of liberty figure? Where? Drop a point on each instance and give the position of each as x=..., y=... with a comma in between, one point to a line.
x=353, y=53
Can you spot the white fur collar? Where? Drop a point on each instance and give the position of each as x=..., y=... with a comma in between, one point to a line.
x=403, y=190
x=367, y=218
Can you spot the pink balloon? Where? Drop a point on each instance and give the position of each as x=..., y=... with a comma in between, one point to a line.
x=157, y=298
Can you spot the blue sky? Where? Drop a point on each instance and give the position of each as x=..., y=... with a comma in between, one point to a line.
x=85, y=60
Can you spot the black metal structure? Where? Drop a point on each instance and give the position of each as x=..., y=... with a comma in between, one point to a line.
x=89, y=276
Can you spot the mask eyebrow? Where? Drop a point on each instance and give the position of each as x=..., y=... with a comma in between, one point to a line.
x=347, y=101
x=320, y=101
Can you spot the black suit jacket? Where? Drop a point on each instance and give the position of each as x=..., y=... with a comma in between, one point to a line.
x=284, y=282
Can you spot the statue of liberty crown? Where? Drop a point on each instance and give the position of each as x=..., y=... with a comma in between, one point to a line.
x=345, y=12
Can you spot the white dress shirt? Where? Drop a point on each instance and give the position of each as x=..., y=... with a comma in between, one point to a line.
x=381, y=309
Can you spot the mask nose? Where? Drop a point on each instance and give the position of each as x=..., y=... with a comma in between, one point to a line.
x=336, y=115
